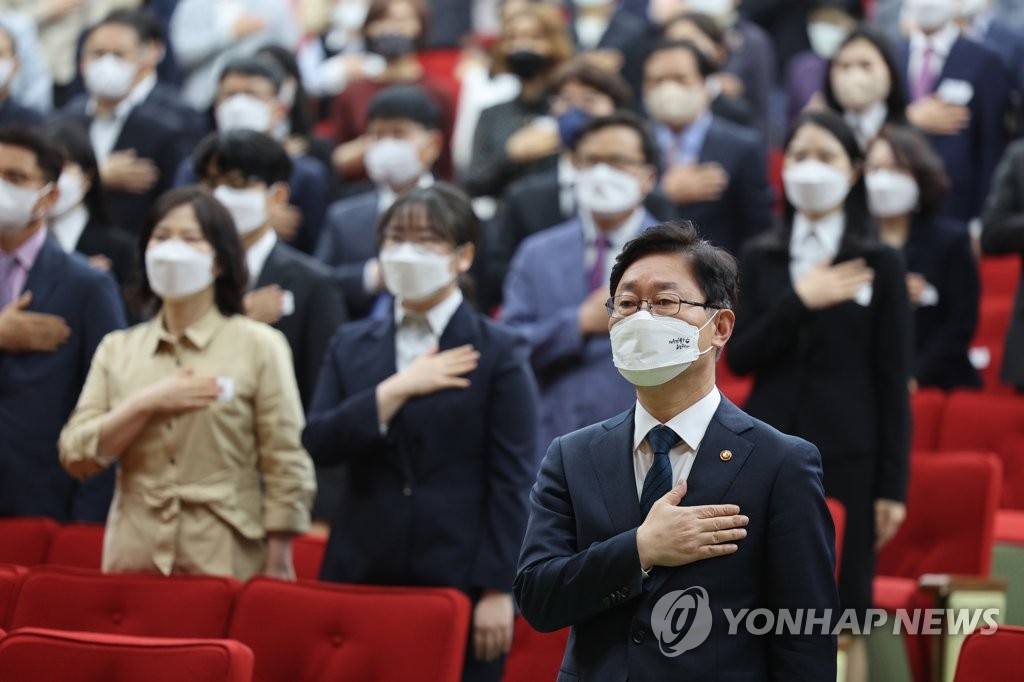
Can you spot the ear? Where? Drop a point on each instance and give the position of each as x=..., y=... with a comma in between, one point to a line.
x=278, y=194
x=464, y=260
x=722, y=326
x=647, y=180
x=430, y=152
x=855, y=173
x=46, y=202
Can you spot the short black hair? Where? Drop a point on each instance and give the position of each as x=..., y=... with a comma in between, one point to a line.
x=48, y=157
x=128, y=18
x=584, y=72
x=896, y=101
x=255, y=155
x=405, y=101
x=704, y=23
x=626, y=119
x=219, y=230
x=704, y=65
x=72, y=139
x=140, y=19
x=448, y=209
x=251, y=66
x=713, y=267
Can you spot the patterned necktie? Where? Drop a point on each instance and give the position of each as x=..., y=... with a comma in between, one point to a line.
x=926, y=77
x=659, y=479
x=597, y=272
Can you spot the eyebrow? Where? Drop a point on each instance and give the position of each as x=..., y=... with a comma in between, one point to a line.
x=660, y=286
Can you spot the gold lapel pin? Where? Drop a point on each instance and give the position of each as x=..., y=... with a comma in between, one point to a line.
x=725, y=455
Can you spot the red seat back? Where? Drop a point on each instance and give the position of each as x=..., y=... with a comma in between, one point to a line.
x=993, y=657
x=951, y=509
x=927, y=405
x=79, y=545
x=978, y=421
x=535, y=655
x=999, y=276
x=39, y=655
x=10, y=580
x=308, y=555
x=125, y=604
x=307, y=631
x=838, y=512
x=25, y=540
x=994, y=316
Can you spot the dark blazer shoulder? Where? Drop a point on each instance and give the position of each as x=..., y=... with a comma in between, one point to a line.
x=357, y=203
x=734, y=132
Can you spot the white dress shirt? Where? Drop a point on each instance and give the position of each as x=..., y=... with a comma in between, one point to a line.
x=941, y=43
x=811, y=243
x=867, y=123
x=617, y=239
x=690, y=425
x=412, y=340
x=256, y=256
x=68, y=228
x=566, y=174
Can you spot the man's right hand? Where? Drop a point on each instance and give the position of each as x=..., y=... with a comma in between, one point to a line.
x=934, y=116
x=674, y=536
x=694, y=184
x=264, y=304
x=22, y=331
x=827, y=285
x=125, y=171
x=180, y=392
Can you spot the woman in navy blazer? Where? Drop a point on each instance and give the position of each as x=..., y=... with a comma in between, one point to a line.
x=906, y=184
x=432, y=413
x=824, y=325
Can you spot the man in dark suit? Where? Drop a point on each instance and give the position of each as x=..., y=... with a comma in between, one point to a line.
x=11, y=112
x=714, y=171
x=960, y=96
x=404, y=126
x=138, y=142
x=553, y=289
x=645, y=528
x=613, y=37
x=54, y=310
x=249, y=172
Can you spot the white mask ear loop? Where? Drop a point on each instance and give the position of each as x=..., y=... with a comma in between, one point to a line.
x=702, y=352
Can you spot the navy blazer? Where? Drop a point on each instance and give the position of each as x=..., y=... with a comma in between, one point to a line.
x=38, y=391
x=745, y=208
x=545, y=286
x=579, y=566
x=347, y=241
x=940, y=250
x=441, y=498
x=14, y=114
x=970, y=157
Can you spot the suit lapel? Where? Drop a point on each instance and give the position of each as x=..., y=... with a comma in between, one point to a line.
x=461, y=329
x=43, y=277
x=952, y=63
x=274, y=270
x=612, y=459
x=712, y=149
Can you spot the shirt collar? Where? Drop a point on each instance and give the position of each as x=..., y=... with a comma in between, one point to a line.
x=828, y=230
x=199, y=334
x=387, y=196
x=27, y=253
x=142, y=89
x=257, y=254
x=691, y=424
x=941, y=42
x=566, y=171
x=438, y=317
x=690, y=137
x=867, y=123
x=618, y=237
x=68, y=228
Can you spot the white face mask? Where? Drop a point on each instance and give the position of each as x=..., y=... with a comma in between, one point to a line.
x=826, y=38
x=110, y=77
x=675, y=104
x=72, y=190
x=413, y=273
x=930, y=15
x=176, y=270
x=972, y=8
x=713, y=8
x=244, y=112
x=395, y=163
x=6, y=71
x=650, y=351
x=891, y=193
x=815, y=187
x=349, y=15
x=248, y=207
x=606, y=190
x=16, y=206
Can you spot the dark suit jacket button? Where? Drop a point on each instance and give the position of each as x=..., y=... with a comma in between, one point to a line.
x=624, y=592
x=638, y=636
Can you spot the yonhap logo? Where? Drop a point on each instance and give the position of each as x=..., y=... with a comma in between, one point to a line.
x=681, y=620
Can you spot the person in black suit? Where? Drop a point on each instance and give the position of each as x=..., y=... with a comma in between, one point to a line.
x=404, y=126
x=825, y=328
x=1003, y=233
x=11, y=112
x=138, y=142
x=611, y=36
x=80, y=219
x=248, y=172
x=906, y=184
x=432, y=411
x=715, y=172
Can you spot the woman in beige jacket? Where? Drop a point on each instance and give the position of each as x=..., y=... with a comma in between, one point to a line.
x=200, y=408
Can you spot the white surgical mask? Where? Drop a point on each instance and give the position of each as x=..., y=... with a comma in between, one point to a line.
x=16, y=204
x=414, y=273
x=72, y=188
x=349, y=15
x=930, y=15
x=713, y=8
x=176, y=270
x=650, y=351
x=243, y=112
x=972, y=8
x=6, y=71
x=395, y=163
x=675, y=104
x=813, y=186
x=606, y=190
x=891, y=193
x=826, y=37
x=248, y=207
x=110, y=77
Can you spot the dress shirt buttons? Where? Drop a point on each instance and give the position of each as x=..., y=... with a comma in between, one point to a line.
x=638, y=636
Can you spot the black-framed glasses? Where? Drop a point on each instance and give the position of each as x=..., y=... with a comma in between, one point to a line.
x=660, y=305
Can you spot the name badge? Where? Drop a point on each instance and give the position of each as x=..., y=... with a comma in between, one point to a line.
x=287, y=303
x=864, y=294
x=953, y=91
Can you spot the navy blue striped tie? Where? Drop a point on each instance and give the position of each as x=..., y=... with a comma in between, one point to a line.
x=659, y=479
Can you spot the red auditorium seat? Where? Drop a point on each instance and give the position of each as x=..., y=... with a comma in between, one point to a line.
x=25, y=540
x=994, y=316
x=991, y=658
x=838, y=512
x=951, y=508
x=125, y=604
x=308, y=631
x=999, y=276
x=79, y=545
x=308, y=554
x=10, y=580
x=39, y=655
x=535, y=656
x=927, y=405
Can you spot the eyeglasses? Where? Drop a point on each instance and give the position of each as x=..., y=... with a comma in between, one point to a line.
x=660, y=305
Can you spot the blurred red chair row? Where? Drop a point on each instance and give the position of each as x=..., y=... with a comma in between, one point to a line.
x=1000, y=276
x=991, y=657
